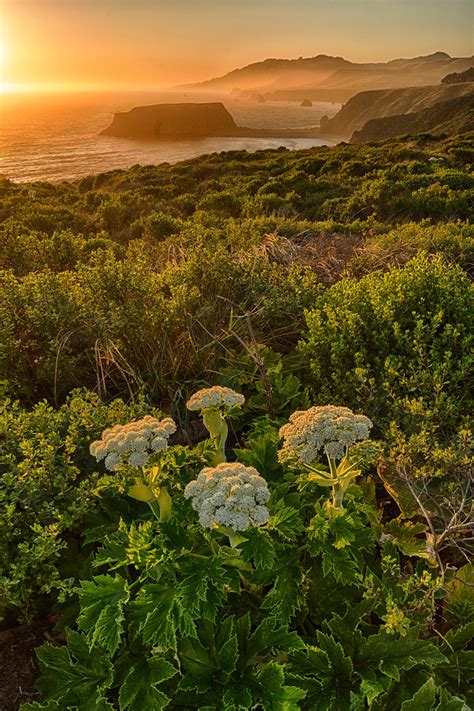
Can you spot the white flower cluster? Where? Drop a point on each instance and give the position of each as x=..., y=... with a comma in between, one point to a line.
x=231, y=495
x=216, y=396
x=329, y=427
x=132, y=443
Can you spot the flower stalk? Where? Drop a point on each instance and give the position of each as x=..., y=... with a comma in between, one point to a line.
x=161, y=505
x=234, y=537
x=216, y=425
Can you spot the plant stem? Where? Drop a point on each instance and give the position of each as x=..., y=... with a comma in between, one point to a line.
x=155, y=507
x=161, y=505
x=337, y=496
x=216, y=425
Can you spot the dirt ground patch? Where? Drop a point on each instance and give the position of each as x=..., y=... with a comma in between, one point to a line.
x=18, y=663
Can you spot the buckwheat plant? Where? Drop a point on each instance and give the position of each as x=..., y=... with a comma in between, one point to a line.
x=333, y=430
x=214, y=404
x=132, y=445
x=230, y=498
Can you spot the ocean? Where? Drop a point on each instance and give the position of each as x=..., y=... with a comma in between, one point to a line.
x=57, y=137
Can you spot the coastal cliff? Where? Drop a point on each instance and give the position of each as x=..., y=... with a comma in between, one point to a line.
x=445, y=117
x=380, y=104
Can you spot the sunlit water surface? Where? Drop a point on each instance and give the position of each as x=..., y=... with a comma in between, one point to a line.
x=56, y=138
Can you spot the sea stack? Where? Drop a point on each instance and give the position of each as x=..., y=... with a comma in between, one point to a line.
x=173, y=121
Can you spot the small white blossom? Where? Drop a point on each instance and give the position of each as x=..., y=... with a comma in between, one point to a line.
x=138, y=459
x=216, y=396
x=329, y=427
x=113, y=461
x=132, y=443
x=231, y=495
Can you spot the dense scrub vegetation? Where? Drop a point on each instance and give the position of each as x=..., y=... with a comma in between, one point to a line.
x=329, y=276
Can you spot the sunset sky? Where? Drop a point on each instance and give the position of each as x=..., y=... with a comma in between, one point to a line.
x=99, y=43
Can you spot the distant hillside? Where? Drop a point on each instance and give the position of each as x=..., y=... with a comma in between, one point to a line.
x=379, y=104
x=334, y=78
x=456, y=78
x=447, y=117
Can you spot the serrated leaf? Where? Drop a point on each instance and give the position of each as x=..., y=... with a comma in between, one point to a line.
x=340, y=662
x=258, y=548
x=139, y=690
x=287, y=596
x=237, y=696
x=287, y=522
x=153, y=613
x=211, y=659
x=197, y=664
x=457, y=639
x=325, y=674
x=262, y=454
x=102, y=600
x=448, y=702
x=397, y=692
x=205, y=585
x=345, y=629
x=424, y=698
x=311, y=662
x=371, y=689
x=270, y=689
x=391, y=655
x=75, y=677
x=271, y=636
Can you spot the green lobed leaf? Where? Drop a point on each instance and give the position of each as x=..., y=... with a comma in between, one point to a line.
x=258, y=548
x=205, y=585
x=424, y=698
x=287, y=595
x=75, y=676
x=287, y=522
x=102, y=600
x=139, y=690
x=153, y=612
x=448, y=702
x=211, y=659
x=271, y=636
x=269, y=688
x=391, y=655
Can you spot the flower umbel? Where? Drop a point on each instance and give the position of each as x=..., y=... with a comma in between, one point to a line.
x=133, y=443
x=331, y=428
x=230, y=495
x=217, y=396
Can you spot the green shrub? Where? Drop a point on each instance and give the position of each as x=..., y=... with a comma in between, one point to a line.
x=396, y=247
x=159, y=226
x=396, y=344
x=120, y=325
x=47, y=489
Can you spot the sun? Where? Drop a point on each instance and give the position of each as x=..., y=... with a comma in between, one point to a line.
x=3, y=57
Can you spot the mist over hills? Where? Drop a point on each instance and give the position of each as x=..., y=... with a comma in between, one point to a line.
x=334, y=78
